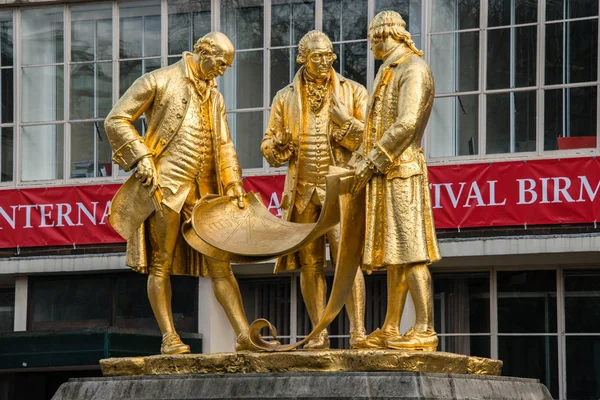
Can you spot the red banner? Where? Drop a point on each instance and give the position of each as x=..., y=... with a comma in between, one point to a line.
x=473, y=195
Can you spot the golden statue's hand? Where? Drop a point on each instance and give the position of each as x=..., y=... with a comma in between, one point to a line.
x=283, y=137
x=362, y=174
x=237, y=190
x=145, y=172
x=339, y=112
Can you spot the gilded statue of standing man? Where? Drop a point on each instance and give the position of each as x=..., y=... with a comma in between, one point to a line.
x=186, y=153
x=400, y=233
x=317, y=121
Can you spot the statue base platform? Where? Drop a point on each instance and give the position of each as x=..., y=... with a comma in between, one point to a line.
x=301, y=361
x=307, y=385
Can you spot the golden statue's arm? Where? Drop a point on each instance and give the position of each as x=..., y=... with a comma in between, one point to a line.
x=231, y=172
x=416, y=92
x=124, y=138
x=275, y=152
x=350, y=134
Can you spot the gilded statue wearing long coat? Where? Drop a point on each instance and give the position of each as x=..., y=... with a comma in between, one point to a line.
x=400, y=234
x=186, y=153
x=316, y=122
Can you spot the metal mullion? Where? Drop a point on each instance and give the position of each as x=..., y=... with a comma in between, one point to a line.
x=243, y=110
x=559, y=21
x=41, y=123
x=463, y=334
x=249, y=50
x=540, y=77
x=455, y=31
x=164, y=36
x=17, y=96
x=319, y=15
x=511, y=90
x=560, y=329
x=510, y=26
x=481, y=124
x=350, y=41
x=282, y=47
x=42, y=65
x=293, y=309
x=140, y=58
x=493, y=314
x=512, y=79
x=115, y=68
x=585, y=334
x=570, y=85
x=87, y=62
x=266, y=69
x=215, y=15
x=67, y=93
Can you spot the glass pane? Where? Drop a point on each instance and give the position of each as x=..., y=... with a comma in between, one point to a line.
x=43, y=90
x=6, y=39
x=583, y=376
x=582, y=299
x=353, y=59
x=6, y=154
x=454, y=126
x=290, y=20
x=268, y=298
x=345, y=19
x=565, y=9
x=139, y=29
x=282, y=62
x=409, y=9
x=42, y=36
x=540, y=353
x=526, y=302
x=455, y=62
x=462, y=303
x=247, y=132
x=7, y=310
x=511, y=12
x=511, y=119
x=243, y=86
x=376, y=301
x=91, y=32
x=504, y=72
x=570, y=118
x=581, y=38
x=131, y=70
x=7, y=99
x=42, y=152
x=91, y=87
x=188, y=22
x=74, y=303
x=477, y=346
x=453, y=15
x=90, y=150
x=242, y=21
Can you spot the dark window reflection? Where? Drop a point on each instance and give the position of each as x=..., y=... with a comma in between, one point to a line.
x=243, y=22
x=462, y=303
x=281, y=71
x=268, y=298
x=518, y=71
x=511, y=12
x=7, y=154
x=290, y=21
x=7, y=310
x=570, y=118
x=531, y=357
x=583, y=367
x=345, y=19
x=353, y=61
x=247, y=132
x=478, y=346
x=6, y=39
x=451, y=15
x=526, y=301
x=511, y=122
x=409, y=9
x=565, y=9
x=582, y=300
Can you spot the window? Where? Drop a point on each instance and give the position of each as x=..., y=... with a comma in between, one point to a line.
x=7, y=310
x=106, y=300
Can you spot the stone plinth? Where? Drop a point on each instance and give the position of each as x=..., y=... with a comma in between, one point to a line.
x=301, y=361
x=300, y=386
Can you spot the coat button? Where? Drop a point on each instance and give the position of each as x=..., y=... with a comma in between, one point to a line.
x=179, y=116
x=163, y=141
x=171, y=129
x=184, y=101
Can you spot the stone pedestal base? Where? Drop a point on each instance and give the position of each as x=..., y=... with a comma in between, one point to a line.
x=300, y=386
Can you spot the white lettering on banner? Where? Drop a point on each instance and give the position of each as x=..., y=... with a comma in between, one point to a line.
x=585, y=184
x=89, y=215
x=493, y=202
x=558, y=190
x=11, y=221
x=275, y=204
x=64, y=209
x=530, y=190
x=46, y=214
x=52, y=215
x=106, y=213
x=473, y=194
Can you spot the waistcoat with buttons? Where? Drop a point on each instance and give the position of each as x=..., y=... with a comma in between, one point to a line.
x=314, y=155
x=189, y=155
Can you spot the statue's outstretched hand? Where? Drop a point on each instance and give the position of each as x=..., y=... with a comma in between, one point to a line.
x=237, y=190
x=362, y=174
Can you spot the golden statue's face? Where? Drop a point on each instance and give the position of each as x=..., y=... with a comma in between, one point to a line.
x=320, y=59
x=381, y=45
x=216, y=64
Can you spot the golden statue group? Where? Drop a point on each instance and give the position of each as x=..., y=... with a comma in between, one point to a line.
x=320, y=122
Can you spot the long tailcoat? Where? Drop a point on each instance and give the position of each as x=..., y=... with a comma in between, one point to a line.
x=164, y=96
x=289, y=111
x=399, y=221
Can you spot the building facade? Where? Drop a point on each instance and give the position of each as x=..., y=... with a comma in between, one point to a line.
x=516, y=96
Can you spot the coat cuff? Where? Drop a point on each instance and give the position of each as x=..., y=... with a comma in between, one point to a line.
x=350, y=134
x=380, y=159
x=231, y=175
x=130, y=153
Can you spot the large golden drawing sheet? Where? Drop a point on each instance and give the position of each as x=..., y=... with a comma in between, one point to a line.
x=219, y=229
